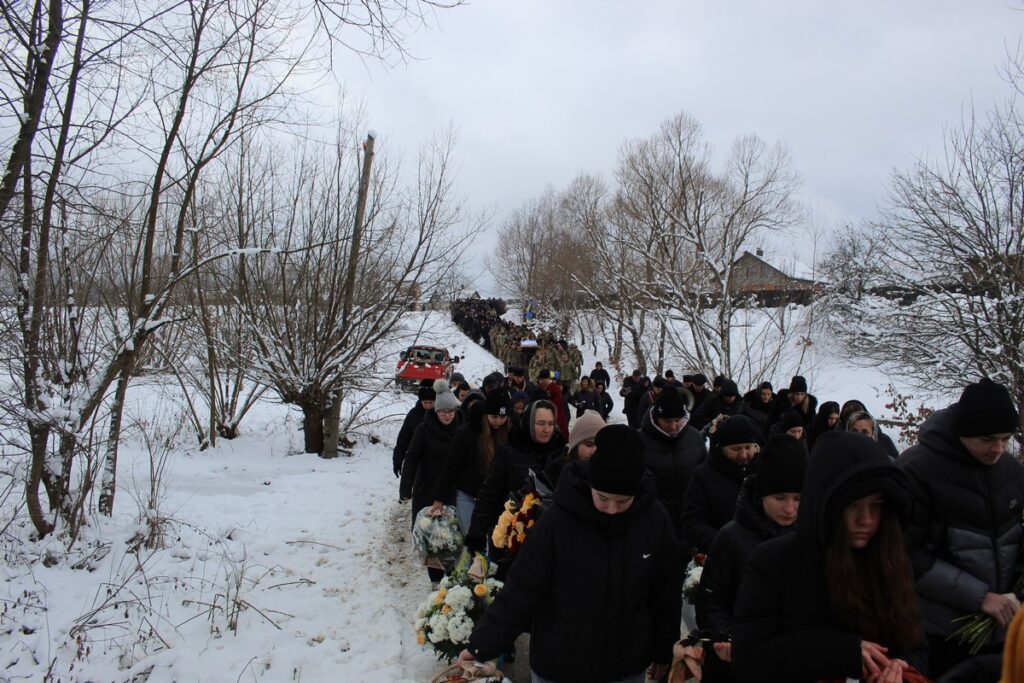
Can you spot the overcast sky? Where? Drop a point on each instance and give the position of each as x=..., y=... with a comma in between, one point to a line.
x=541, y=90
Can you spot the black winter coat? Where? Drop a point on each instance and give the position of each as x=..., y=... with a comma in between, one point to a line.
x=784, y=628
x=711, y=409
x=462, y=469
x=631, y=404
x=757, y=410
x=424, y=461
x=605, y=404
x=506, y=474
x=412, y=420
x=710, y=501
x=724, y=567
x=965, y=537
x=583, y=401
x=672, y=460
x=809, y=408
x=599, y=593
x=601, y=376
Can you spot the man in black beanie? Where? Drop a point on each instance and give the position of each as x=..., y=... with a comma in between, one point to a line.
x=966, y=536
x=601, y=565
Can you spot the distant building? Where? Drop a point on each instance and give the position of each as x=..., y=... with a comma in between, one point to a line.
x=751, y=274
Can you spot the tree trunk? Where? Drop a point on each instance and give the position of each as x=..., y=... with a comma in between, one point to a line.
x=39, y=436
x=108, y=480
x=313, y=427
x=332, y=427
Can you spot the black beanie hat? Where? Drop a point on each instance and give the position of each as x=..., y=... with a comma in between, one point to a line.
x=735, y=430
x=791, y=419
x=700, y=379
x=497, y=403
x=618, y=465
x=798, y=383
x=985, y=408
x=729, y=388
x=426, y=394
x=766, y=385
x=783, y=467
x=545, y=374
x=669, y=405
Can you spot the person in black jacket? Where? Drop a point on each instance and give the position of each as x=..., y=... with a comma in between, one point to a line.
x=602, y=399
x=766, y=508
x=795, y=398
x=672, y=451
x=836, y=599
x=826, y=420
x=584, y=398
x=599, y=374
x=471, y=452
x=596, y=581
x=710, y=500
x=725, y=403
x=531, y=445
x=757, y=404
x=424, y=404
x=854, y=406
x=631, y=404
x=966, y=538
x=426, y=456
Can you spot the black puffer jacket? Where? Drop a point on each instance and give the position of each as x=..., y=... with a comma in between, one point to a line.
x=965, y=537
x=507, y=473
x=710, y=501
x=784, y=628
x=672, y=460
x=412, y=420
x=598, y=593
x=424, y=460
x=723, y=569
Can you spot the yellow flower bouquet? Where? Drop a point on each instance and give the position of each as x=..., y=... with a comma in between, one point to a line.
x=515, y=521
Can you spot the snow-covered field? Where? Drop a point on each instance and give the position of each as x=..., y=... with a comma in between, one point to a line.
x=275, y=565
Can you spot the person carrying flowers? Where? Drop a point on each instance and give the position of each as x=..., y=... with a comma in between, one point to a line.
x=596, y=582
x=966, y=538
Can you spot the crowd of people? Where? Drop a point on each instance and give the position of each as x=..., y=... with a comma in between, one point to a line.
x=829, y=554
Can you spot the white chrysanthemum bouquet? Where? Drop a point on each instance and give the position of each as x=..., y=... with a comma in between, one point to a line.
x=693, y=573
x=446, y=619
x=437, y=538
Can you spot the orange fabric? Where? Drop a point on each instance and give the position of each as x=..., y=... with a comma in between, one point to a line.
x=1013, y=651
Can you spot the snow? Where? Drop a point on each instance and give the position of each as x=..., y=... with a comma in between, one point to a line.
x=276, y=565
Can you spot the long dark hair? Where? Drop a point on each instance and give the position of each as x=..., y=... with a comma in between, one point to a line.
x=872, y=590
x=490, y=439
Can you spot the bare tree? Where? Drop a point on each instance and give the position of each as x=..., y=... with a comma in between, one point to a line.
x=294, y=297
x=934, y=288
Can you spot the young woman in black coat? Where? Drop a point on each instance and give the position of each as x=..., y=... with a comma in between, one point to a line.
x=766, y=508
x=835, y=599
x=470, y=455
x=710, y=500
x=596, y=581
x=531, y=445
x=426, y=456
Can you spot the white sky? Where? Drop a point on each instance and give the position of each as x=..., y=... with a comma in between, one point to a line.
x=540, y=90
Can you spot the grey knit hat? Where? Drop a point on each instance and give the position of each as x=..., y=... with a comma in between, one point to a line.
x=445, y=398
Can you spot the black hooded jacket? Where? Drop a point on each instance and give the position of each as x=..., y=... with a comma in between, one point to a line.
x=506, y=474
x=462, y=468
x=710, y=501
x=757, y=410
x=716, y=405
x=808, y=409
x=965, y=538
x=784, y=628
x=725, y=563
x=599, y=593
x=424, y=460
x=672, y=460
x=412, y=420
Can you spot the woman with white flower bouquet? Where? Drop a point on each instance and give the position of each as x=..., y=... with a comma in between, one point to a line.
x=426, y=456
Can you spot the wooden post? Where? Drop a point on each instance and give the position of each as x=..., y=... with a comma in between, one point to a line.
x=332, y=419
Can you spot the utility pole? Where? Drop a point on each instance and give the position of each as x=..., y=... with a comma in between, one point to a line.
x=332, y=420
